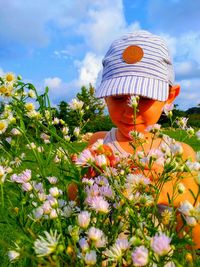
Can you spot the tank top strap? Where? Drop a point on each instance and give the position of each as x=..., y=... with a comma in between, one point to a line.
x=110, y=139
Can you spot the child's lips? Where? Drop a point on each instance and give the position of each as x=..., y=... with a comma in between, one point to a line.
x=128, y=124
x=131, y=124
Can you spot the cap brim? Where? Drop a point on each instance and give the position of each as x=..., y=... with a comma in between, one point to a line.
x=134, y=85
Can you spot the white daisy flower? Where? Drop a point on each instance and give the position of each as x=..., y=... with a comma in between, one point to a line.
x=45, y=246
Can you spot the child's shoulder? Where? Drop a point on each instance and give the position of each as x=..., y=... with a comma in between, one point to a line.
x=96, y=136
x=188, y=152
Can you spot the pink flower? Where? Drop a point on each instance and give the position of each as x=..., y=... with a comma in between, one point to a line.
x=153, y=128
x=53, y=214
x=191, y=221
x=27, y=187
x=38, y=212
x=186, y=208
x=15, y=131
x=87, y=181
x=54, y=191
x=140, y=256
x=97, y=145
x=101, y=160
x=99, y=204
x=92, y=190
x=24, y=177
x=52, y=201
x=136, y=180
x=198, y=134
x=176, y=149
x=90, y=258
x=106, y=191
x=193, y=166
x=170, y=264
x=38, y=187
x=85, y=157
x=167, y=108
x=95, y=234
x=182, y=122
x=160, y=244
x=46, y=207
x=83, y=244
x=52, y=179
x=122, y=243
x=84, y=219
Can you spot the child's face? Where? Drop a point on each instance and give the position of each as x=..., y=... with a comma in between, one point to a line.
x=122, y=115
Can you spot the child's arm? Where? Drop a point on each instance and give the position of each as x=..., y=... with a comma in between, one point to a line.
x=190, y=184
x=188, y=152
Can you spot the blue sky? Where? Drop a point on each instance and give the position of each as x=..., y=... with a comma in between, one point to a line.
x=61, y=43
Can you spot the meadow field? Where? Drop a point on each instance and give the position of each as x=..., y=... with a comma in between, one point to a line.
x=116, y=219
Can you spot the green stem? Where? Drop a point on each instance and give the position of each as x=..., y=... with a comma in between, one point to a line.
x=2, y=195
x=58, y=137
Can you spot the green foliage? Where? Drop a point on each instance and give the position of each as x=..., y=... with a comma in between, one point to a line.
x=194, y=120
x=93, y=111
x=182, y=136
x=194, y=110
x=101, y=123
x=193, y=115
x=35, y=147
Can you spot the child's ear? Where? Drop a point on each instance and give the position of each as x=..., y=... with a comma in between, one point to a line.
x=173, y=93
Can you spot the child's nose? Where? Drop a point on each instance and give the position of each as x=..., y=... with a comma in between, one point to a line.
x=128, y=112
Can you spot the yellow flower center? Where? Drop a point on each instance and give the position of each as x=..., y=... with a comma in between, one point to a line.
x=30, y=106
x=9, y=77
x=2, y=126
x=3, y=89
x=189, y=257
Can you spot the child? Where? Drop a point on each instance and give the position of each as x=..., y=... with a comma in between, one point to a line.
x=139, y=64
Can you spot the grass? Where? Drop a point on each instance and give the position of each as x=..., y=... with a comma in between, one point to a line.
x=181, y=135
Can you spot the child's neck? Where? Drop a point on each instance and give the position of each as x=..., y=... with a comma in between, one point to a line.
x=125, y=142
x=122, y=138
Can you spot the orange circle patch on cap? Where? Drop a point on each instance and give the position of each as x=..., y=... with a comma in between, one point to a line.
x=132, y=54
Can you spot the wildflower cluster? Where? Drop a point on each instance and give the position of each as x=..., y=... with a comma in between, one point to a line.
x=144, y=229
x=117, y=216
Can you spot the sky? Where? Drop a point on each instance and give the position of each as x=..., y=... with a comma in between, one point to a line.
x=61, y=44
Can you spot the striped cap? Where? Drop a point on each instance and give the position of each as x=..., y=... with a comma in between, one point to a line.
x=148, y=73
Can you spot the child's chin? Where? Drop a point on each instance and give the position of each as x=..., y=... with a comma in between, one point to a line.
x=138, y=128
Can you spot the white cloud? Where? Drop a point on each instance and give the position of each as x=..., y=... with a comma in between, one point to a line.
x=89, y=68
x=31, y=22
x=189, y=45
x=64, y=53
x=171, y=42
x=183, y=68
x=59, y=90
x=185, y=50
x=105, y=24
x=189, y=95
x=53, y=83
x=1, y=72
x=187, y=69
x=98, y=22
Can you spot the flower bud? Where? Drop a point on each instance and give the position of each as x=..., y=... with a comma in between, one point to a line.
x=181, y=188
